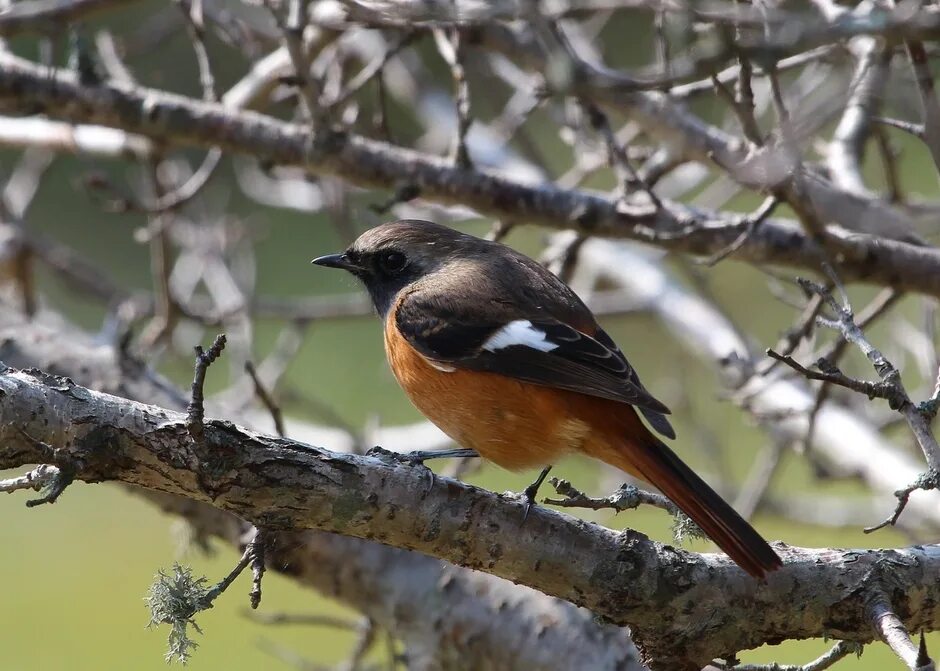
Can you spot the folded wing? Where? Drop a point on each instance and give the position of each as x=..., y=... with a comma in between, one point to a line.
x=541, y=351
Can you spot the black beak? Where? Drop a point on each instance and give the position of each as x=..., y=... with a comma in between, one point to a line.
x=335, y=261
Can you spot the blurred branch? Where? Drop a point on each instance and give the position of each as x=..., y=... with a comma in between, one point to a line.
x=70, y=138
x=32, y=16
x=847, y=148
x=366, y=162
x=917, y=55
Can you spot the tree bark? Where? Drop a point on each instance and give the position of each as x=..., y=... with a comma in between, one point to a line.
x=684, y=608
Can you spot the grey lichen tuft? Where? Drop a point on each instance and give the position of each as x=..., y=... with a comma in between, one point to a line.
x=683, y=529
x=175, y=599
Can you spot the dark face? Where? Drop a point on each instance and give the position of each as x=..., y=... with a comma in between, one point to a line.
x=384, y=272
x=390, y=257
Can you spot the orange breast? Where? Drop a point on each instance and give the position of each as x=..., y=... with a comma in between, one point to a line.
x=511, y=423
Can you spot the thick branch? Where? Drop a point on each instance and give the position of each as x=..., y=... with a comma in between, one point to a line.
x=280, y=484
x=418, y=599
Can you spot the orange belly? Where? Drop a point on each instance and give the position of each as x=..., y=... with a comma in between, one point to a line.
x=511, y=423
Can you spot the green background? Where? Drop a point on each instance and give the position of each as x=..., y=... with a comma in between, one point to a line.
x=75, y=574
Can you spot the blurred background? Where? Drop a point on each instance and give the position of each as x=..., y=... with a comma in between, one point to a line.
x=77, y=572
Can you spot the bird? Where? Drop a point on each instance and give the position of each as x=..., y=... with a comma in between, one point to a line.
x=510, y=363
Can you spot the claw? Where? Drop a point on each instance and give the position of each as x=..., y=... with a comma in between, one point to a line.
x=530, y=492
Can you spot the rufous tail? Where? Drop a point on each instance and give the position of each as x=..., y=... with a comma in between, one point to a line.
x=660, y=466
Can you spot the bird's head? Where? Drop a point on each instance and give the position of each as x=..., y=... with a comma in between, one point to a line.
x=393, y=256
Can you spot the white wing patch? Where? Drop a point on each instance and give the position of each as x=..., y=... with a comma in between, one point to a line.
x=443, y=367
x=519, y=332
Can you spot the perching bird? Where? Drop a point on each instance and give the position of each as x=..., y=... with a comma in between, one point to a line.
x=508, y=361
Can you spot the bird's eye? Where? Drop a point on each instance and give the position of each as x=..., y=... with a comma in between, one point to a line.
x=392, y=261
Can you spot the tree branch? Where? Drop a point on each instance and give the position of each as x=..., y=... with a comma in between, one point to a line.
x=420, y=600
x=280, y=484
x=187, y=122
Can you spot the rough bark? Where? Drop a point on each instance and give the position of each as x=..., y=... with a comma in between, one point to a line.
x=447, y=617
x=684, y=608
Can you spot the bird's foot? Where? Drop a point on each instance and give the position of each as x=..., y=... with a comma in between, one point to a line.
x=530, y=492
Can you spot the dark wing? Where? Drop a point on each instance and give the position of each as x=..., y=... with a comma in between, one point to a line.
x=656, y=419
x=542, y=351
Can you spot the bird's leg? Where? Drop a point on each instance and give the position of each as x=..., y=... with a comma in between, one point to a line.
x=530, y=492
x=418, y=457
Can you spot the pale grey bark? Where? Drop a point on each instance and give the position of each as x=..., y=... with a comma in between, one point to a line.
x=447, y=617
x=683, y=608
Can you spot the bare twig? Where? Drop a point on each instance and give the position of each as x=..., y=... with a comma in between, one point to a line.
x=915, y=129
x=627, y=497
x=926, y=481
x=450, y=48
x=890, y=387
x=752, y=223
x=830, y=373
x=196, y=411
x=839, y=651
x=36, y=479
x=265, y=397
x=845, y=323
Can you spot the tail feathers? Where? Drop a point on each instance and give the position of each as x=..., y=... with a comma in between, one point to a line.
x=660, y=466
